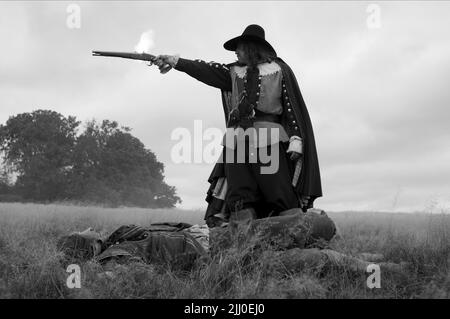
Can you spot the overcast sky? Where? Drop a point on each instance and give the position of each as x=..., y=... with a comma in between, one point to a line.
x=378, y=94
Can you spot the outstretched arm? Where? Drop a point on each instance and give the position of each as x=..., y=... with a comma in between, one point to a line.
x=213, y=74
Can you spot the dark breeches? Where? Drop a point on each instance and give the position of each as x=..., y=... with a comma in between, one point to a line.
x=269, y=191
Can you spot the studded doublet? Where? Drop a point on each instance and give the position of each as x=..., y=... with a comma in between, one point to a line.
x=273, y=97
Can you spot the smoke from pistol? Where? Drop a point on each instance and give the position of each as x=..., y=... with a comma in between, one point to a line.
x=146, y=42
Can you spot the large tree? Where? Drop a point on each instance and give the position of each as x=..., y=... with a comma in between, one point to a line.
x=111, y=163
x=104, y=164
x=38, y=147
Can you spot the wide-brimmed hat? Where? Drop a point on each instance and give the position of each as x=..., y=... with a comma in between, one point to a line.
x=254, y=33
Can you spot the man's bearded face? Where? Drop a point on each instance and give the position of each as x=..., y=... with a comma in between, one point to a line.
x=240, y=53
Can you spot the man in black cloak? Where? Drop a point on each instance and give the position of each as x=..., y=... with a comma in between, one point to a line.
x=258, y=91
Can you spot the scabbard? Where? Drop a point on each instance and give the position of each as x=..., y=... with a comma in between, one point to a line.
x=298, y=170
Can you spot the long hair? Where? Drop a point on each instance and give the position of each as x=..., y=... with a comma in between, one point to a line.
x=257, y=53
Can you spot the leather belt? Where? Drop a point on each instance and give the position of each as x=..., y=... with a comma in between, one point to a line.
x=262, y=116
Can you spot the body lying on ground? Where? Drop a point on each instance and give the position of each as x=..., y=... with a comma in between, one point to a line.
x=300, y=240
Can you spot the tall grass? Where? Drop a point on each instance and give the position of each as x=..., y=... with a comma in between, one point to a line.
x=32, y=267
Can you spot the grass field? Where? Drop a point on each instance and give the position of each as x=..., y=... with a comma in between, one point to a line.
x=31, y=266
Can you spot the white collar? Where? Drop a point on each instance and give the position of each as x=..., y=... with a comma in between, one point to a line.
x=264, y=69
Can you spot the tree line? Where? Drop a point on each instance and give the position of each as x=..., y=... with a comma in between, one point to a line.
x=46, y=159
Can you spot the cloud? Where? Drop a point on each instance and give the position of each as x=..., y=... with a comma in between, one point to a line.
x=378, y=98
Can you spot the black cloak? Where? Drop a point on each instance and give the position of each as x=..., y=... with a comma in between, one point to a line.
x=309, y=183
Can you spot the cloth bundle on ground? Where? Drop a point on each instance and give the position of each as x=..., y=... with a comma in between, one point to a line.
x=291, y=229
